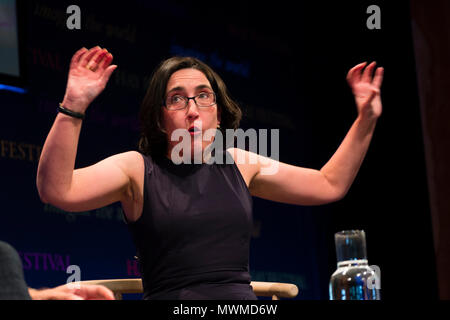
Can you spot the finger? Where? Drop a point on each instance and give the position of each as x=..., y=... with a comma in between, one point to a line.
x=69, y=296
x=104, y=293
x=355, y=73
x=77, y=56
x=368, y=71
x=95, y=60
x=378, y=78
x=96, y=292
x=373, y=92
x=63, y=294
x=366, y=99
x=108, y=72
x=106, y=61
x=88, y=56
x=99, y=56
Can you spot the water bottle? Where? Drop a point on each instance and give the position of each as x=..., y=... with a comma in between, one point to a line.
x=353, y=279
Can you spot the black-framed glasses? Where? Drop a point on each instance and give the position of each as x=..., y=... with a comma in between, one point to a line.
x=178, y=101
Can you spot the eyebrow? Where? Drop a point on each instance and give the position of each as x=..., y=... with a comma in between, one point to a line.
x=179, y=88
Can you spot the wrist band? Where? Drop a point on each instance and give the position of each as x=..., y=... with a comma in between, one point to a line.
x=70, y=112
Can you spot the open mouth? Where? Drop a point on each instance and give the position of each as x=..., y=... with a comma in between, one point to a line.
x=194, y=130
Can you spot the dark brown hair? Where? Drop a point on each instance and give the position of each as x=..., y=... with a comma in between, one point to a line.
x=153, y=138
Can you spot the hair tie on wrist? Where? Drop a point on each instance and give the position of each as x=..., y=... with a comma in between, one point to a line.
x=70, y=112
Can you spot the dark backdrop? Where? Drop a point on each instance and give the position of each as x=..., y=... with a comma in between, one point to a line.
x=286, y=64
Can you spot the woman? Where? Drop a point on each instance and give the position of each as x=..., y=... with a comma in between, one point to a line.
x=191, y=224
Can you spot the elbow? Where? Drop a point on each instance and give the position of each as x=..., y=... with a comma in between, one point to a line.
x=331, y=195
x=339, y=194
x=56, y=199
x=334, y=191
x=40, y=186
x=48, y=192
x=43, y=196
x=42, y=190
x=49, y=198
x=47, y=195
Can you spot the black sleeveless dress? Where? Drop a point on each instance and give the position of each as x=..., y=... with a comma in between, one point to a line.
x=193, y=237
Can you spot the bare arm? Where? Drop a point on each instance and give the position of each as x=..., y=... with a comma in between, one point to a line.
x=342, y=168
x=290, y=184
x=304, y=186
x=57, y=162
x=57, y=181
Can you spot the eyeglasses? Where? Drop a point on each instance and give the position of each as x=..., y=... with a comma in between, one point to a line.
x=202, y=100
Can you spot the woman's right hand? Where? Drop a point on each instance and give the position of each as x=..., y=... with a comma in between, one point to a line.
x=89, y=73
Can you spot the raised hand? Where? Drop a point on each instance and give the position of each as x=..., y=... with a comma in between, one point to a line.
x=89, y=73
x=366, y=89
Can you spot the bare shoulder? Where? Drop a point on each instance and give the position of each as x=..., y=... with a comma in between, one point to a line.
x=129, y=159
x=132, y=163
x=247, y=163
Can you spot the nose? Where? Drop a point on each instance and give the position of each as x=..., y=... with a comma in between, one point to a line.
x=192, y=109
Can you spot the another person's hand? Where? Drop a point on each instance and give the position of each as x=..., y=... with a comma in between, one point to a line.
x=366, y=89
x=71, y=292
x=89, y=73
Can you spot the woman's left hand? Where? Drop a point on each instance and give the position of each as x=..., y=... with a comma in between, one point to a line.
x=366, y=89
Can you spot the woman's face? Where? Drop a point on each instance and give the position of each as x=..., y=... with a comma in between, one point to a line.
x=189, y=83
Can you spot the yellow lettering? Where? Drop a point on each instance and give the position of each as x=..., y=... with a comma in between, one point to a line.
x=12, y=149
x=20, y=150
x=3, y=147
